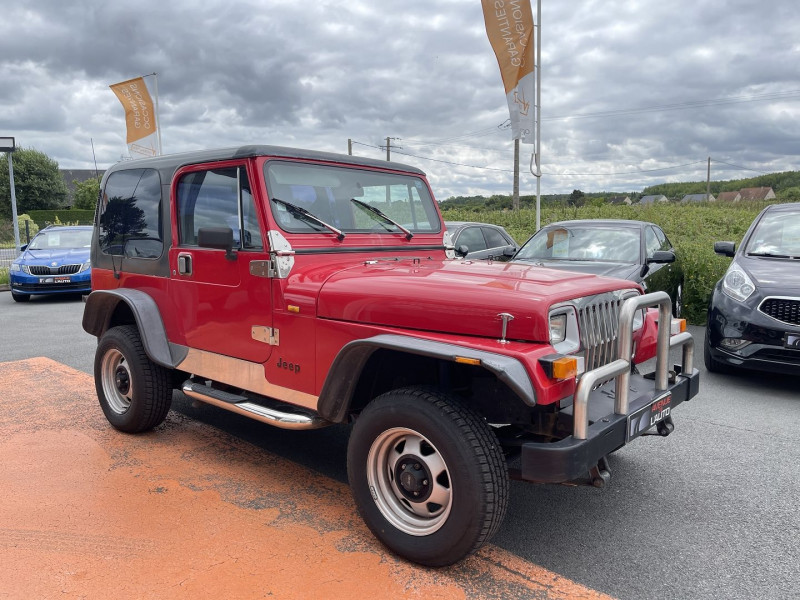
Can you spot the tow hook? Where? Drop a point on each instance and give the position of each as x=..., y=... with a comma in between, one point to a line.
x=665, y=427
x=600, y=474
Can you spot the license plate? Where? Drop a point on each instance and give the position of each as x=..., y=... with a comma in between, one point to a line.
x=62, y=280
x=647, y=416
x=55, y=280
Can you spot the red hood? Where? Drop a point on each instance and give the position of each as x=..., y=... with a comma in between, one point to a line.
x=458, y=297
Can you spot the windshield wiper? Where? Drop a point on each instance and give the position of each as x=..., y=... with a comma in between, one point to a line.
x=303, y=215
x=771, y=255
x=374, y=211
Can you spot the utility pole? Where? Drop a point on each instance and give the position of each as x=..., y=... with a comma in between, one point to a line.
x=389, y=147
x=349, y=147
x=8, y=145
x=708, y=181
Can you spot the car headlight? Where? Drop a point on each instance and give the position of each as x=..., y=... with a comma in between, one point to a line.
x=15, y=267
x=558, y=328
x=564, y=334
x=86, y=266
x=737, y=284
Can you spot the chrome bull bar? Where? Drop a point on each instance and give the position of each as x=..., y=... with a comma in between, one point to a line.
x=620, y=369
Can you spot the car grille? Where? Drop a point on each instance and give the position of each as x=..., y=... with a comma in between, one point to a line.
x=45, y=270
x=786, y=310
x=599, y=328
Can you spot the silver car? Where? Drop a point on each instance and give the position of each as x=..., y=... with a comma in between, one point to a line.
x=481, y=240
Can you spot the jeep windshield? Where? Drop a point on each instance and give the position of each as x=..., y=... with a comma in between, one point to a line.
x=308, y=197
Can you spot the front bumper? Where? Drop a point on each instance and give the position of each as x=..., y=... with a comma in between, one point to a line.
x=611, y=406
x=765, y=349
x=22, y=283
x=570, y=459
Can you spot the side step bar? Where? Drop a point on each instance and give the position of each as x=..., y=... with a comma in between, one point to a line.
x=280, y=415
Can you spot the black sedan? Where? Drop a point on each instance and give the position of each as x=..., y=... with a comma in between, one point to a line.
x=754, y=312
x=633, y=250
x=481, y=240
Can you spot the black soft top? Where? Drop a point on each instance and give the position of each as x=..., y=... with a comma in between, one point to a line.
x=169, y=163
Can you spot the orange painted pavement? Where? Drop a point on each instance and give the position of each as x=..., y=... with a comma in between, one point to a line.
x=187, y=511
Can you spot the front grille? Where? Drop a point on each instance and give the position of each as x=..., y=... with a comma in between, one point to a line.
x=45, y=270
x=598, y=320
x=786, y=310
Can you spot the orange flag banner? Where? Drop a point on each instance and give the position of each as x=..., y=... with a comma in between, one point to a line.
x=509, y=26
x=140, y=117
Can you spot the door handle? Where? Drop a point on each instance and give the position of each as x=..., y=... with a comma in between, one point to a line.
x=184, y=264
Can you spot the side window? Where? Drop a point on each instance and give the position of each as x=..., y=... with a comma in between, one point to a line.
x=494, y=239
x=662, y=238
x=651, y=241
x=472, y=238
x=129, y=214
x=218, y=198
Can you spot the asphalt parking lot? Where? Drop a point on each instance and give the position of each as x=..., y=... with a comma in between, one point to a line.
x=709, y=512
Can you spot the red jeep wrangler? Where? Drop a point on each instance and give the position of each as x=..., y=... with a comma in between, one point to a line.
x=304, y=288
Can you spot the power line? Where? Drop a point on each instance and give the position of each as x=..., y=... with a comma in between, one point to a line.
x=553, y=174
x=742, y=168
x=627, y=172
x=682, y=105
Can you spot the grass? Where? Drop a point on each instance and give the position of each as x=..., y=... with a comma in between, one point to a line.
x=692, y=229
x=3, y=276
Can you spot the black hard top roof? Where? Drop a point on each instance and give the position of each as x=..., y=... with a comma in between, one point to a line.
x=172, y=162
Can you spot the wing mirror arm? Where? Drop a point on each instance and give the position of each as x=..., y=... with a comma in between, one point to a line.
x=220, y=238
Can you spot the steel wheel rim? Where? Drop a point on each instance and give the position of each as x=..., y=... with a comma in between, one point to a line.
x=117, y=381
x=393, y=452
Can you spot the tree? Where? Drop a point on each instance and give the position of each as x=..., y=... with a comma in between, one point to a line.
x=86, y=193
x=37, y=182
x=576, y=198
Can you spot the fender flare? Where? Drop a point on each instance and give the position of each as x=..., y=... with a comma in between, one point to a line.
x=100, y=306
x=345, y=372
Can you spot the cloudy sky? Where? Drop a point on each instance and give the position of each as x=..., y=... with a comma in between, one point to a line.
x=634, y=93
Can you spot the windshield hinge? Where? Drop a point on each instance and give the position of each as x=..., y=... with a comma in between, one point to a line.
x=266, y=335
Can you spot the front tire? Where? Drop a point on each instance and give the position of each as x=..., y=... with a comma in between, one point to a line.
x=134, y=392
x=428, y=475
x=20, y=297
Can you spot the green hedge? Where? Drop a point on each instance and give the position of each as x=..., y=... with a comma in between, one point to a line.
x=73, y=216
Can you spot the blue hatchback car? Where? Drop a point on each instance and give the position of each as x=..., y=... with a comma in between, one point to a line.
x=56, y=261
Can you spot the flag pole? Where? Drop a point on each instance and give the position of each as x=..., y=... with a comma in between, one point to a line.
x=537, y=109
x=158, y=115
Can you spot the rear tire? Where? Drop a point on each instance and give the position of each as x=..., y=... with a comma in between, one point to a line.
x=428, y=475
x=134, y=392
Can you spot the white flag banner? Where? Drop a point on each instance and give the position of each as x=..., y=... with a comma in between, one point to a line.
x=140, y=117
x=509, y=26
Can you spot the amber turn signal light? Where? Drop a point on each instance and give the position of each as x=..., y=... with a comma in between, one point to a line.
x=558, y=366
x=677, y=326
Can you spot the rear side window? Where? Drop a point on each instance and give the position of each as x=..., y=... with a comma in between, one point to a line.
x=494, y=239
x=472, y=238
x=129, y=214
x=218, y=198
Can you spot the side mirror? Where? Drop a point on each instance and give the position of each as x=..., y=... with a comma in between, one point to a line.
x=220, y=238
x=462, y=250
x=725, y=248
x=510, y=252
x=23, y=247
x=662, y=256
